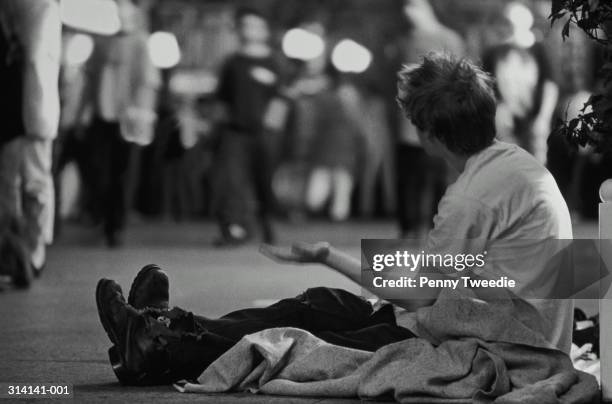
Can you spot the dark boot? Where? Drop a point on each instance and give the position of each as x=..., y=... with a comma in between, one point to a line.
x=137, y=356
x=150, y=289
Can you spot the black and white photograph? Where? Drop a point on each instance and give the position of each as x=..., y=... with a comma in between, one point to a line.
x=306, y=201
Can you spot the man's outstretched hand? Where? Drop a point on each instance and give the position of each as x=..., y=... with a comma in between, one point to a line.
x=299, y=253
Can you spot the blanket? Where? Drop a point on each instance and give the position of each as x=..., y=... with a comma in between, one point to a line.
x=468, y=349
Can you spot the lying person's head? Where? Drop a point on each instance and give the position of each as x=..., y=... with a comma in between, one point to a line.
x=451, y=102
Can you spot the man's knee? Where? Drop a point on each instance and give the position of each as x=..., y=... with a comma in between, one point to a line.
x=337, y=302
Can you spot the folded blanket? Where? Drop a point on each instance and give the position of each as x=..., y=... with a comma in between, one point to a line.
x=469, y=349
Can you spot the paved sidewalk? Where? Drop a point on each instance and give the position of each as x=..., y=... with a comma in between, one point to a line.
x=51, y=333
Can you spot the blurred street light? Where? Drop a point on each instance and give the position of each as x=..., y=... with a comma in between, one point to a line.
x=525, y=39
x=79, y=48
x=94, y=16
x=349, y=56
x=301, y=44
x=520, y=16
x=164, y=50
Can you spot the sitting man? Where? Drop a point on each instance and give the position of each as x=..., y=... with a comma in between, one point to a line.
x=501, y=193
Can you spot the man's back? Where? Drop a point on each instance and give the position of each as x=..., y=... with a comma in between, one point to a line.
x=508, y=204
x=521, y=193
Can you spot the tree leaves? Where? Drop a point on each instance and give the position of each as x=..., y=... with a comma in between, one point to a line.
x=593, y=126
x=566, y=29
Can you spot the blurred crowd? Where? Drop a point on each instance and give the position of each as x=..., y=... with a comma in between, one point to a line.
x=296, y=128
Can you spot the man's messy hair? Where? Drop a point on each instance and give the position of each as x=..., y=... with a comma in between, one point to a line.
x=451, y=99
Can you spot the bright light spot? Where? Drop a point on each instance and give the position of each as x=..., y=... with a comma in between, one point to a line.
x=164, y=50
x=94, y=16
x=303, y=45
x=522, y=20
x=79, y=49
x=525, y=39
x=350, y=57
x=520, y=16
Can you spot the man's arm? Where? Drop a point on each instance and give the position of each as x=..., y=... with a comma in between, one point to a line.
x=462, y=226
x=341, y=262
x=39, y=30
x=317, y=253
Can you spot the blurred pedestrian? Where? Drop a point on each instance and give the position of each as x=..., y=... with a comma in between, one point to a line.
x=421, y=179
x=367, y=108
x=249, y=81
x=526, y=90
x=336, y=145
x=121, y=90
x=30, y=52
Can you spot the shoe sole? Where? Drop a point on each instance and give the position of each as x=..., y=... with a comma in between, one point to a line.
x=140, y=277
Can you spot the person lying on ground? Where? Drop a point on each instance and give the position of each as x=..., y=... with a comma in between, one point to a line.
x=502, y=193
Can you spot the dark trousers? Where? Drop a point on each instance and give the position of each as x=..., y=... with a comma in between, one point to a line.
x=243, y=178
x=561, y=160
x=69, y=147
x=111, y=175
x=421, y=182
x=334, y=315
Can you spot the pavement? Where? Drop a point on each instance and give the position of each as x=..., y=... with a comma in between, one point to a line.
x=51, y=333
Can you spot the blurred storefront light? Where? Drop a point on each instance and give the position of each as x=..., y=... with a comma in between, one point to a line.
x=164, y=50
x=301, y=44
x=349, y=56
x=79, y=48
x=94, y=16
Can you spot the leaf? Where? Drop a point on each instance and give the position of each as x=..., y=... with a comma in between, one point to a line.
x=557, y=6
x=584, y=132
x=594, y=17
x=572, y=125
x=566, y=29
x=594, y=99
x=554, y=17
